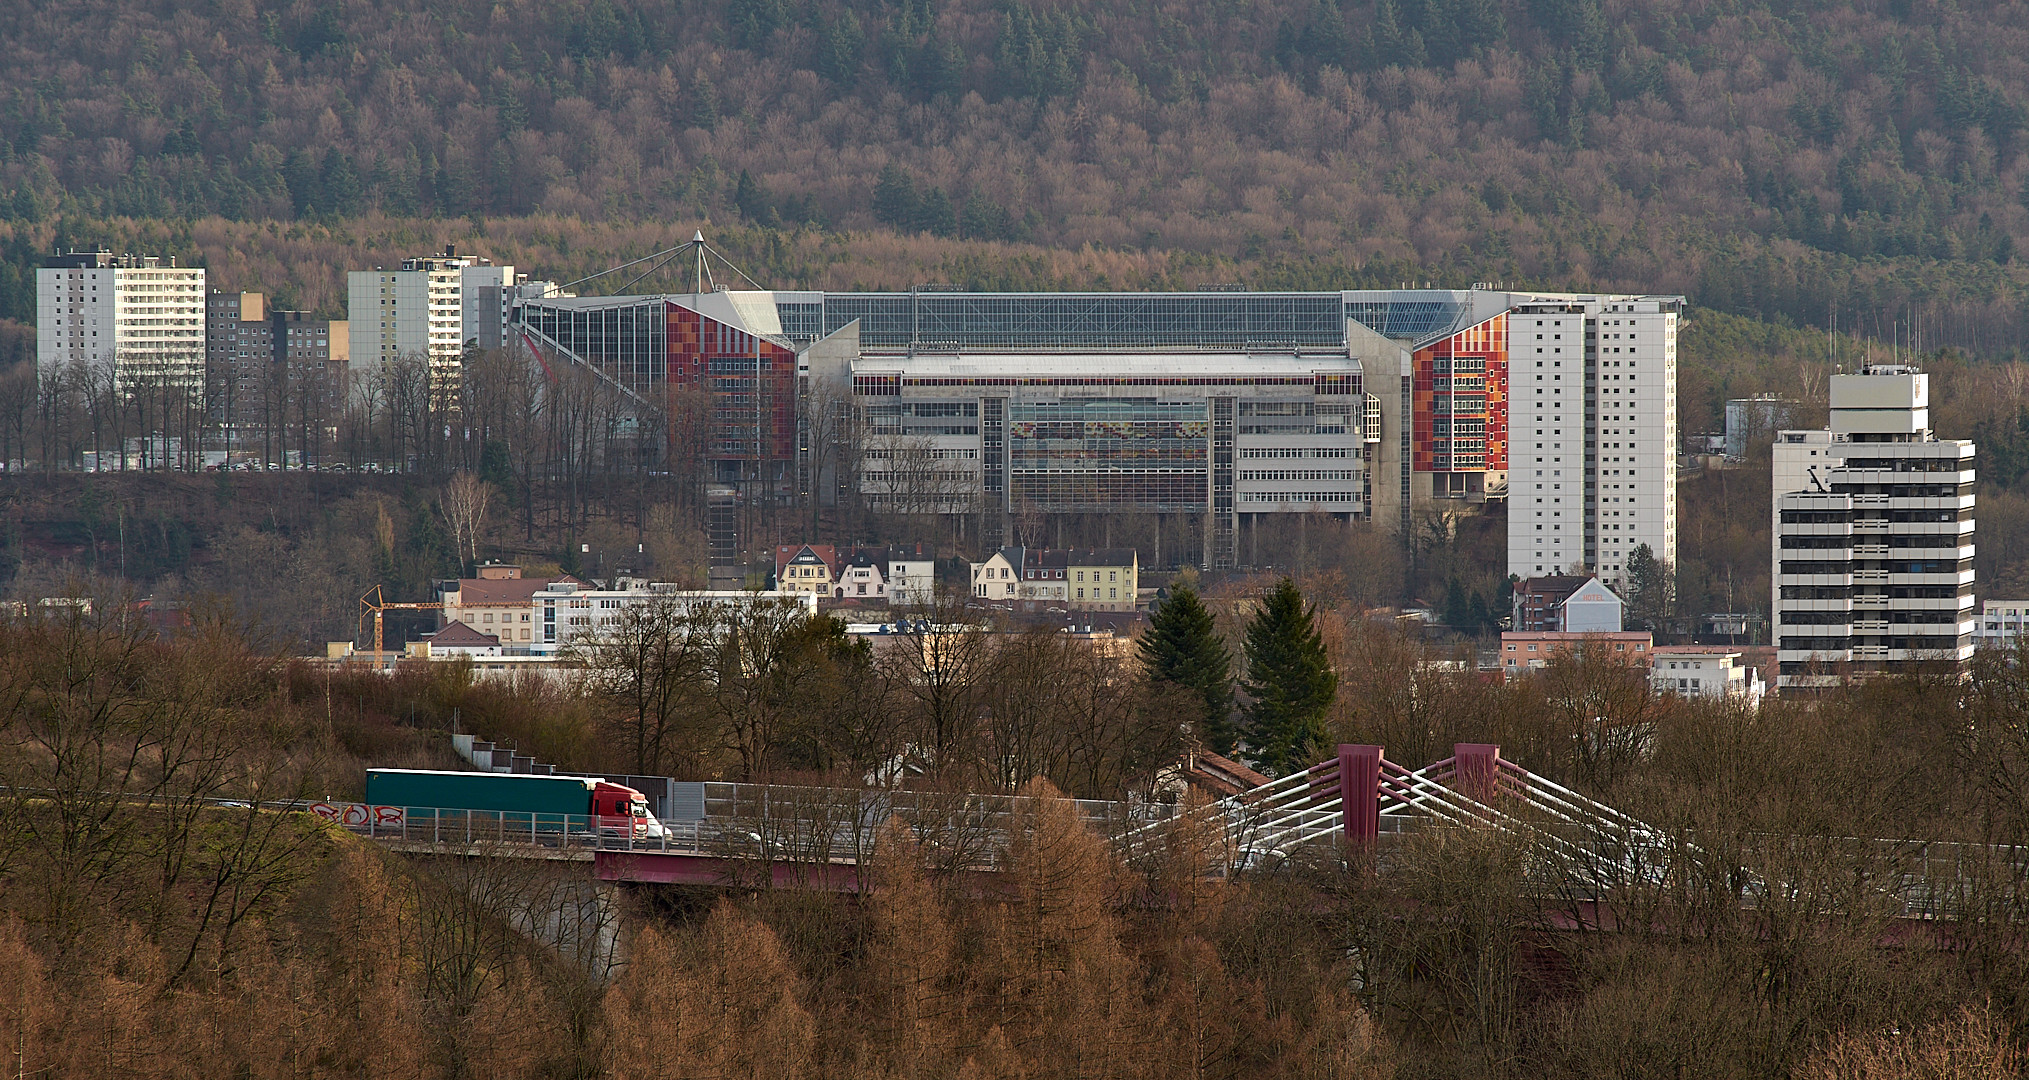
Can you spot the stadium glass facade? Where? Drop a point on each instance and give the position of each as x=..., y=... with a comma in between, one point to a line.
x=1221, y=403
x=656, y=349
x=1214, y=320
x=1087, y=455
x=626, y=343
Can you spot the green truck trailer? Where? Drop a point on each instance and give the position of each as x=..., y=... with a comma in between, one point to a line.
x=546, y=803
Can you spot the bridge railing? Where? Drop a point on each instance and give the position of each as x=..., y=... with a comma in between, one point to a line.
x=957, y=830
x=530, y=834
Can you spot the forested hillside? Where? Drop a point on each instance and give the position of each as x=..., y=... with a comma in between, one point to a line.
x=1767, y=158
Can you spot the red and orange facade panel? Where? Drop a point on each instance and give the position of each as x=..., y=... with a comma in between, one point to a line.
x=750, y=383
x=1460, y=401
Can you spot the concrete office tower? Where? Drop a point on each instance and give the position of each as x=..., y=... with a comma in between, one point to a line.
x=129, y=316
x=1592, y=431
x=1872, y=560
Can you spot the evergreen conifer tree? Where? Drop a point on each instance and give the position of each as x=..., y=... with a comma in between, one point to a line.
x=1182, y=648
x=1647, y=589
x=1291, y=681
x=895, y=199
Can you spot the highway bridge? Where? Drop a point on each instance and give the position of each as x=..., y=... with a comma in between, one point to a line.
x=1355, y=806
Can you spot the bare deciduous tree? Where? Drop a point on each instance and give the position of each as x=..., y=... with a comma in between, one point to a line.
x=463, y=503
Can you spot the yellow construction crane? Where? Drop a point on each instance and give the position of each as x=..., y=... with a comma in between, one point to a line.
x=372, y=604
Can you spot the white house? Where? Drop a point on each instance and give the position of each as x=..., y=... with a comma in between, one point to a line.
x=863, y=577
x=1069, y=578
x=997, y=578
x=1592, y=609
x=805, y=568
x=499, y=601
x=1566, y=604
x=1708, y=671
x=911, y=581
x=458, y=640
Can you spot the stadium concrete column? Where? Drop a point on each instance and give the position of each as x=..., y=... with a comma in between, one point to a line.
x=1385, y=366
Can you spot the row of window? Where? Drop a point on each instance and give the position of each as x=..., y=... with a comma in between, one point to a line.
x=1297, y=452
x=1300, y=474
x=1300, y=496
x=1842, y=618
x=1058, y=575
x=1924, y=643
x=1899, y=592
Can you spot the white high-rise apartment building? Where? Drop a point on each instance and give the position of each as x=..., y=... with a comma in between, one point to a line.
x=128, y=314
x=1592, y=434
x=1872, y=560
x=417, y=310
x=431, y=307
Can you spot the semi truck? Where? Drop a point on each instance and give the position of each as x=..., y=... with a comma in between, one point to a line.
x=548, y=803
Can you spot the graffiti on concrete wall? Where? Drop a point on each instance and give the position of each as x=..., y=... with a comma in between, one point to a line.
x=360, y=815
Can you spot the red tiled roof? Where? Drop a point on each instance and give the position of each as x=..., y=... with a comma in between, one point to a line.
x=786, y=553
x=476, y=592
x=1223, y=776
x=1554, y=588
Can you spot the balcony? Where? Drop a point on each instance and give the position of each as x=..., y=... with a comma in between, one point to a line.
x=1870, y=551
x=1870, y=626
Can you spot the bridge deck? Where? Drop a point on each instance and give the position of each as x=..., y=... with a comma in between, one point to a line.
x=1581, y=850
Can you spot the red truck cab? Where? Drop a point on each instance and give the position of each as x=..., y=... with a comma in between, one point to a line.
x=623, y=811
